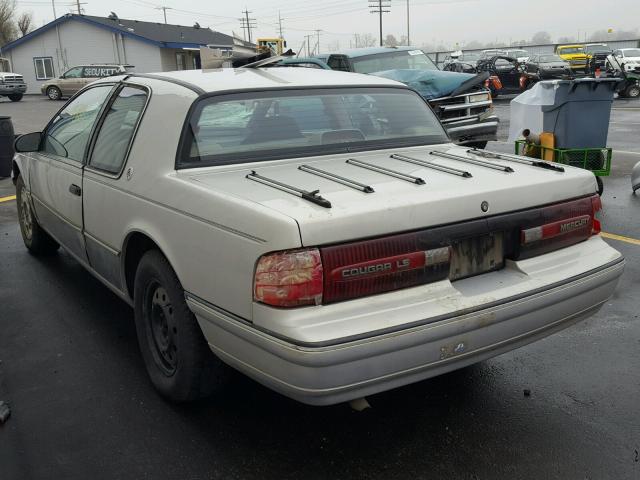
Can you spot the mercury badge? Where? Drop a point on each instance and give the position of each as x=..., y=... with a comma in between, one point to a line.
x=129, y=173
x=484, y=206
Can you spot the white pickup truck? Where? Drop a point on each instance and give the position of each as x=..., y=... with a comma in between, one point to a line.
x=318, y=232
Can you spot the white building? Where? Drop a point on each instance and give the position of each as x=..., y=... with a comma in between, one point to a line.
x=74, y=39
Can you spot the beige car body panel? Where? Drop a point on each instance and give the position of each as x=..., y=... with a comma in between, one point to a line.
x=213, y=224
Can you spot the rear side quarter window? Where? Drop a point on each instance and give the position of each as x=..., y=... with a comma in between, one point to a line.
x=117, y=130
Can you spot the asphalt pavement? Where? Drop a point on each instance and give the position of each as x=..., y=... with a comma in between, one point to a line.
x=83, y=408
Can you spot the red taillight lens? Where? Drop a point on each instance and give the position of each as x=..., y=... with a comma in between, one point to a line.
x=562, y=225
x=381, y=265
x=289, y=279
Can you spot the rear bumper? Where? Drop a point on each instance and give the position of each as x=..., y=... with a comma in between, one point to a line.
x=12, y=88
x=473, y=130
x=333, y=373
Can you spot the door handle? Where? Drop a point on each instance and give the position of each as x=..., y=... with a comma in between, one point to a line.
x=75, y=189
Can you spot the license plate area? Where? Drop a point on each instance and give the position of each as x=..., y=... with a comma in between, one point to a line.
x=476, y=255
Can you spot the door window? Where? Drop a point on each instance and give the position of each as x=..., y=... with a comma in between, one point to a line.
x=73, y=73
x=117, y=130
x=68, y=134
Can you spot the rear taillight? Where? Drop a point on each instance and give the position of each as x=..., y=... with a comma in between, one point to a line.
x=562, y=225
x=381, y=265
x=289, y=279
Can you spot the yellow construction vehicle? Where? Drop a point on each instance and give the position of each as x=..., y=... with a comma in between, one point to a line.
x=275, y=45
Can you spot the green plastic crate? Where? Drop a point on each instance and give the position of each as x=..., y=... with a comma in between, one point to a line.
x=597, y=160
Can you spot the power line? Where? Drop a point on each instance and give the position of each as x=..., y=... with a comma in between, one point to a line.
x=379, y=8
x=164, y=11
x=247, y=23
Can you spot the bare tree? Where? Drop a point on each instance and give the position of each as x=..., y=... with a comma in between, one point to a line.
x=541, y=38
x=390, y=41
x=8, y=31
x=567, y=39
x=25, y=19
x=365, y=40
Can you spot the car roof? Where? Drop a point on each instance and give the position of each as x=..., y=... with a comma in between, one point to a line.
x=226, y=79
x=361, y=52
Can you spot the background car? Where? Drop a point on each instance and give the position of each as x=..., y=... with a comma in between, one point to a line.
x=507, y=70
x=629, y=58
x=575, y=55
x=78, y=77
x=548, y=65
x=521, y=55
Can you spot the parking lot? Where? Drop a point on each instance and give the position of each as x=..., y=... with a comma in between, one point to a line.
x=83, y=407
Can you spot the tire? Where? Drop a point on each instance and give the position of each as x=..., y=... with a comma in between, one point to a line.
x=632, y=91
x=600, y=185
x=179, y=362
x=16, y=97
x=54, y=93
x=34, y=237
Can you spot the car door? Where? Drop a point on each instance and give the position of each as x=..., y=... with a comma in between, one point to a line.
x=55, y=172
x=71, y=81
x=103, y=181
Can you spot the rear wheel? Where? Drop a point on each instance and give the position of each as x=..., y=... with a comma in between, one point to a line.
x=54, y=93
x=177, y=357
x=35, y=238
x=600, y=185
x=16, y=97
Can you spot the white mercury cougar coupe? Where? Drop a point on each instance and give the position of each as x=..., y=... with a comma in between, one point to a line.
x=314, y=230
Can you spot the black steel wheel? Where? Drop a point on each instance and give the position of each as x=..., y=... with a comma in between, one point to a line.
x=177, y=357
x=15, y=97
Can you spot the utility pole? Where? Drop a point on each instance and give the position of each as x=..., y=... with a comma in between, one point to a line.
x=318, y=33
x=378, y=7
x=408, y=36
x=307, y=37
x=280, y=24
x=164, y=11
x=247, y=24
x=78, y=3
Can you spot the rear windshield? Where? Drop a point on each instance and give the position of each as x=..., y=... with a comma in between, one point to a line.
x=570, y=50
x=398, y=60
x=256, y=126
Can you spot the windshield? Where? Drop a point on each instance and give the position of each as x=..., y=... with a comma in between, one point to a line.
x=398, y=60
x=469, y=57
x=570, y=50
x=597, y=48
x=257, y=126
x=631, y=52
x=550, y=58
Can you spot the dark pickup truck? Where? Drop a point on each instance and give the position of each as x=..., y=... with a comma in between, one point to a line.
x=461, y=101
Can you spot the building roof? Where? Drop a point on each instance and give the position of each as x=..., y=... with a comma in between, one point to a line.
x=160, y=34
x=226, y=79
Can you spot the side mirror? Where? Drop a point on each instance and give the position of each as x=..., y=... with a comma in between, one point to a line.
x=28, y=143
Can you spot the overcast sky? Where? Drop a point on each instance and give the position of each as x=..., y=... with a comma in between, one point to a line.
x=431, y=21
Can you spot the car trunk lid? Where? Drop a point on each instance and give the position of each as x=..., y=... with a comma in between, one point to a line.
x=373, y=194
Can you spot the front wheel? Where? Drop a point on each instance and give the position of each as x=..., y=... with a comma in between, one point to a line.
x=16, y=97
x=632, y=91
x=54, y=93
x=177, y=357
x=34, y=237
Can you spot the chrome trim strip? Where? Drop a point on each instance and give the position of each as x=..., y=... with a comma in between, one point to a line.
x=110, y=249
x=462, y=106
